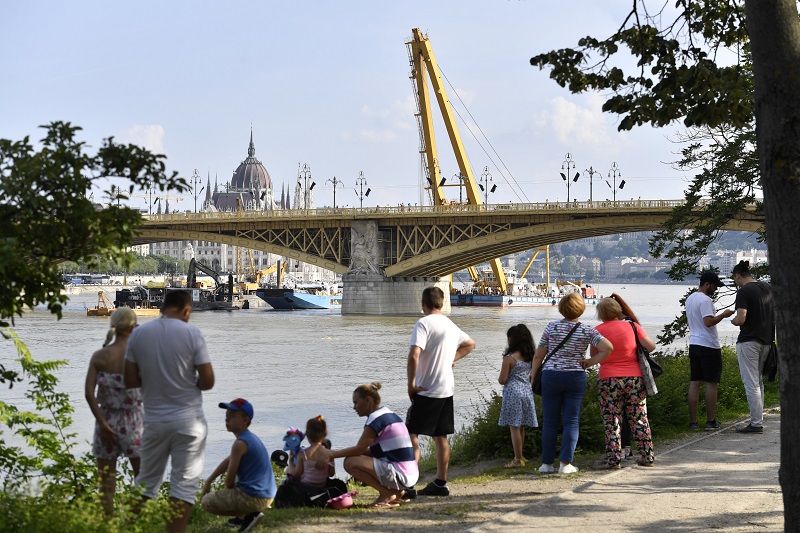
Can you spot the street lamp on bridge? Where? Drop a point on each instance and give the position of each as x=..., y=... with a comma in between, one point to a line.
x=195, y=180
x=613, y=174
x=306, y=176
x=591, y=171
x=568, y=165
x=335, y=183
x=360, y=182
x=483, y=183
x=461, y=182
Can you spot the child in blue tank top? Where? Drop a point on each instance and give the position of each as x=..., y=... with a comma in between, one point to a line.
x=249, y=481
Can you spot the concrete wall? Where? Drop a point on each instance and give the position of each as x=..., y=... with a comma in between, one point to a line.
x=374, y=294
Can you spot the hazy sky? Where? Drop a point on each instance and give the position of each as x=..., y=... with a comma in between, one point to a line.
x=325, y=84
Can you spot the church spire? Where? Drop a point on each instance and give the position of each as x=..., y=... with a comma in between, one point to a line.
x=251, y=151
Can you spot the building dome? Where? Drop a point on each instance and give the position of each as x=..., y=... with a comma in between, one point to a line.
x=251, y=174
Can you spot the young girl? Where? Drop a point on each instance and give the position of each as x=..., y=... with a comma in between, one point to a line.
x=117, y=410
x=515, y=375
x=308, y=469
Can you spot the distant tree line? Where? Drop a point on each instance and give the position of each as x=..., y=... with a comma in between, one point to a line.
x=130, y=264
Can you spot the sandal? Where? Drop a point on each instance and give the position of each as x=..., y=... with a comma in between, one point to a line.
x=399, y=499
x=642, y=462
x=383, y=505
x=515, y=463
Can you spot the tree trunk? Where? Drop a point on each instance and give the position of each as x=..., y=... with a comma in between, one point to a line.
x=775, y=39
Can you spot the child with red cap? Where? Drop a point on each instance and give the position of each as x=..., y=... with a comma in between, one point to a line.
x=249, y=482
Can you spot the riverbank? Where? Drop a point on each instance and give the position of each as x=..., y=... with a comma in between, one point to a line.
x=721, y=481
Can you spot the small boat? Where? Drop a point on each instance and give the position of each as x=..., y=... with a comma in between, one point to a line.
x=104, y=306
x=305, y=298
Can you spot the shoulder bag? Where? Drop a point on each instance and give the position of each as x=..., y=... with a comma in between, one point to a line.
x=536, y=384
x=650, y=369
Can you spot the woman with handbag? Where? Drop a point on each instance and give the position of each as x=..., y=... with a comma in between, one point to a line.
x=561, y=350
x=621, y=388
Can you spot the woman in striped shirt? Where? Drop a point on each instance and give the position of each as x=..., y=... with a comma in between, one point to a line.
x=383, y=458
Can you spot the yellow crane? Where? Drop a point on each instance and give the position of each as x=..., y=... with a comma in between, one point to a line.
x=251, y=286
x=424, y=65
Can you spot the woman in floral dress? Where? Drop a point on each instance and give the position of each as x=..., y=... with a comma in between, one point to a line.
x=117, y=411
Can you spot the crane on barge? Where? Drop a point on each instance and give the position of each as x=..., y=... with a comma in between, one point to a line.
x=423, y=65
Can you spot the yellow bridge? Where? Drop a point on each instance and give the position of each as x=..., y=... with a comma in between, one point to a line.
x=428, y=241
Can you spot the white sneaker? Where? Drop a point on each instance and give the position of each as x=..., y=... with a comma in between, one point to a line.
x=546, y=469
x=567, y=469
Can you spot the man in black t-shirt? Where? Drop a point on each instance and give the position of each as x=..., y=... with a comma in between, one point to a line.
x=755, y=317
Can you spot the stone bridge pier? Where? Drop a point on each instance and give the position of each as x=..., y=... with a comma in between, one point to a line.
x=365, y=288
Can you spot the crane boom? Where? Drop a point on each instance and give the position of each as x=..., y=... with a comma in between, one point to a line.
x=423, y=65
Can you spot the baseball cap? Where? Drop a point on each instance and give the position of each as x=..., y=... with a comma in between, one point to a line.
x=711, y=277
x=239, y=404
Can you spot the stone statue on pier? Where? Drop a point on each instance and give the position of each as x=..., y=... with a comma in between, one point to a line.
x=365, y=252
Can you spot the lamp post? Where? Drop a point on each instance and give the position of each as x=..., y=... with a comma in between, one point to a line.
x=461, y=178
x=568, y=165
x=591, y=172
x=613, y=174
x=335, y=183
x=360, y=182
x=306, y=173
x=483, y=183
x=195, y=180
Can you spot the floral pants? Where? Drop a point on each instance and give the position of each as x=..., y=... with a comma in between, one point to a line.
x=625, y=395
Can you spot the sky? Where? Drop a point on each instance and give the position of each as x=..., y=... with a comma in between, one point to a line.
x=326, y=84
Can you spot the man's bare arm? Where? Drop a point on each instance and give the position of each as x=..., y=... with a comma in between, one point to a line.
x=464, y=349
x=205, y=376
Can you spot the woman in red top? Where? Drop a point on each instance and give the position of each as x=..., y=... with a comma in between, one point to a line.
x=620, y=387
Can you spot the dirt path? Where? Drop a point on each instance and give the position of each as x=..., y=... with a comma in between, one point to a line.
x=722, y=481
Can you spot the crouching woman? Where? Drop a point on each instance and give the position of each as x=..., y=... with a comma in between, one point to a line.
x=383, y=458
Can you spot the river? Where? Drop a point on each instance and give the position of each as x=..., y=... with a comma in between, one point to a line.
x=298, y=364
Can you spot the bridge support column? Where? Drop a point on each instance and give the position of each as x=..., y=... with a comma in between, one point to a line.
x=367, y=291
x=375, y=294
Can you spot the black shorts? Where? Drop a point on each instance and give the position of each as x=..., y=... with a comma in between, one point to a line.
x=705, y=363
x=431, y=416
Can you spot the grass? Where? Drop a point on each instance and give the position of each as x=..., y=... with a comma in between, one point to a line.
x=667, y=411
x=483, y=440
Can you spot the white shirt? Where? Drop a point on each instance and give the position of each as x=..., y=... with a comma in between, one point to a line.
x=438, y=339
x=698, y=306
x=167, y=351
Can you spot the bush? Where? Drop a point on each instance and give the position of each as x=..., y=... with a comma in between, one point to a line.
x=668, y=413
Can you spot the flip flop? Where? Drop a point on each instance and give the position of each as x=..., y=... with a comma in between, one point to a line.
x=400, y=499
x=383, y=505
x=514, y=464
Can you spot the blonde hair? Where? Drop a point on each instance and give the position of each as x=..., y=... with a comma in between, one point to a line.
x=614, y=308
x=571, y=306
x=608, y=309
x=369, y=390
x=122, y=319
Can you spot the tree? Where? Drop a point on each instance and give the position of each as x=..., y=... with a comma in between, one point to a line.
x=684, y=72
x=46, y=216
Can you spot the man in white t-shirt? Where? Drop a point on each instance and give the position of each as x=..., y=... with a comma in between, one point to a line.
x=168, y=359
x=705, y=352
x=436, y=344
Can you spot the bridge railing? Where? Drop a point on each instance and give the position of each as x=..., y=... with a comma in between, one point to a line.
x=367, y=212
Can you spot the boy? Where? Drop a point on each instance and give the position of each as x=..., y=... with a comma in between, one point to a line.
x=249, y=481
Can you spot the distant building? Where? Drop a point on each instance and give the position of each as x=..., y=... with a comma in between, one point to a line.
x=250, y=189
